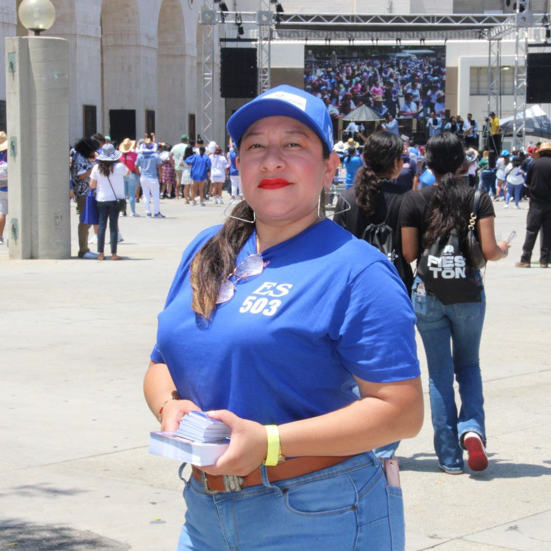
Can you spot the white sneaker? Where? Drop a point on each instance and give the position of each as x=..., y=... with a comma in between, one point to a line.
x=93, y=240
x=90, y=255
x=220, y=202
x=202, y=204
x=505, y=206
x=119, y=238
x=517, y=207
x=134, y=215
x=193, y=203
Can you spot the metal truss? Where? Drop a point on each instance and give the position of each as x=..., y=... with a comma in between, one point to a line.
x=494, y=76
x=264, y=20
x=348, y=21
x=524, y=20
x=208, y=22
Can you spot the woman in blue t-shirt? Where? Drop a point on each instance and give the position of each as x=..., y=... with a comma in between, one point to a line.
x=200, y=166
x=283, y=313
x=352, y=162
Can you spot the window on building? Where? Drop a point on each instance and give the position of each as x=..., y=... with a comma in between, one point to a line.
x=191, y=127
x=149, y=122
x=479, y=81
x=90, y=120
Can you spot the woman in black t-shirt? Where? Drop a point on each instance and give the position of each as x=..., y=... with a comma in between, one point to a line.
x=375, y=198
x=451, y=332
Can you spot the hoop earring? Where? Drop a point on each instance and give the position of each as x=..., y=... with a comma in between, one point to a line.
x=346, y=209
x=228, y=215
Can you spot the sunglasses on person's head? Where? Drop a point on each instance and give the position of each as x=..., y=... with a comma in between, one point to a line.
x=252, y=266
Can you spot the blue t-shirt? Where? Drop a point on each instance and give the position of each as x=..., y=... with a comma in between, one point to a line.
x=351, y=164
x=233, y=165
x=327, y=306
x=148, y=162
x=200, y=164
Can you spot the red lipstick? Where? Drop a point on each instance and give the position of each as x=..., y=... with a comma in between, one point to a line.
x=273, y=183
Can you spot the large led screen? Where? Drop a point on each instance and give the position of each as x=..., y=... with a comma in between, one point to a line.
x=406, y=82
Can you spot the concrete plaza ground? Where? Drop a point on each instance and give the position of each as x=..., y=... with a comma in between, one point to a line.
x=75, y=338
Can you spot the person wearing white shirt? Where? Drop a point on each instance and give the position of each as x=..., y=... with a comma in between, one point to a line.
x=352, y=129
x=107, y=178
x=218, y=172
x=408, y=110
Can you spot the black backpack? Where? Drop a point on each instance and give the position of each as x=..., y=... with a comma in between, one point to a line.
x=446, y=272
x=381, y=236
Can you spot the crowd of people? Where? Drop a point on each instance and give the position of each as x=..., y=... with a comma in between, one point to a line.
x=108, y=181
x=404, y=86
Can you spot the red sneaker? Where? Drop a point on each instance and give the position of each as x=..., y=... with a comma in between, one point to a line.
x=478, y=460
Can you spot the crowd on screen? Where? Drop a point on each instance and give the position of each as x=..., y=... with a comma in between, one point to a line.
x=400, y=85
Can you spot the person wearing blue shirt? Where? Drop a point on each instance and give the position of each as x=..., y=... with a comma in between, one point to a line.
x=391, y=125
x=149, y=166
x=200, y=166
x=283, y=314
x=352, y=162
x=434, y=125
x=235, y=179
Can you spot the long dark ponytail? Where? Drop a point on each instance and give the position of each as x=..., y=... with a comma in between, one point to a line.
x=381, y=150
x=216, y=259
x=449, y=208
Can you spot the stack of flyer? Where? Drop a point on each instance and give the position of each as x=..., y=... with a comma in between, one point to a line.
x=199, y=440
x=199, y=427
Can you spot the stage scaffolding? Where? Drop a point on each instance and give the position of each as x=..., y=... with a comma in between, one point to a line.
x=386, y=28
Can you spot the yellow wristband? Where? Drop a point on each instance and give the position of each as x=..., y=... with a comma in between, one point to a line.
x=274, y=446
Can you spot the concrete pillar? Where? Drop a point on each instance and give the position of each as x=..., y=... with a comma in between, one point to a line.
x=37, y=88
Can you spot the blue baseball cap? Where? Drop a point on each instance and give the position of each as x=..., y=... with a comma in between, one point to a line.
x=285, y=101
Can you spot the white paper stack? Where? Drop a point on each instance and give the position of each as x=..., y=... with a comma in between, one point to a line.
x=199, y=427
x=167, y=444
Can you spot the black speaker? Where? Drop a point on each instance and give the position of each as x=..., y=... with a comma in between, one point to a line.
x=238, y=73
x=538, y=70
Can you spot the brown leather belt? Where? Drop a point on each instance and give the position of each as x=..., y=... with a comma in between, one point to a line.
x=213, y=484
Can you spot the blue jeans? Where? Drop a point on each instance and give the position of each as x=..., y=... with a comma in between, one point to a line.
x=451, y=337
x=131, y=184
x=107, y=210
x=348, y=507
x=488, y=182
x=513, y=190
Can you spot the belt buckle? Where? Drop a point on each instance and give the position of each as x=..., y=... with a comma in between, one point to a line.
x=232, y=483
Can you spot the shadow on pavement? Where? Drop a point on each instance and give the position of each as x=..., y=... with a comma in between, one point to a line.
x=498, y=468
x=34, y=537
x=42, y=490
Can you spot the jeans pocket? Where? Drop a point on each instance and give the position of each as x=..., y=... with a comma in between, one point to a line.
x=386, y=533
x=423, y=304
x=322, y=497
x=397, y=521
x=468, y=310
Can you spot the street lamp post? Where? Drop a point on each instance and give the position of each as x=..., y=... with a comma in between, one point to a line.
x=37, y=88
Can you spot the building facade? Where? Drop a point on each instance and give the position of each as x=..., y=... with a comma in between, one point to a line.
x=134, y=65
